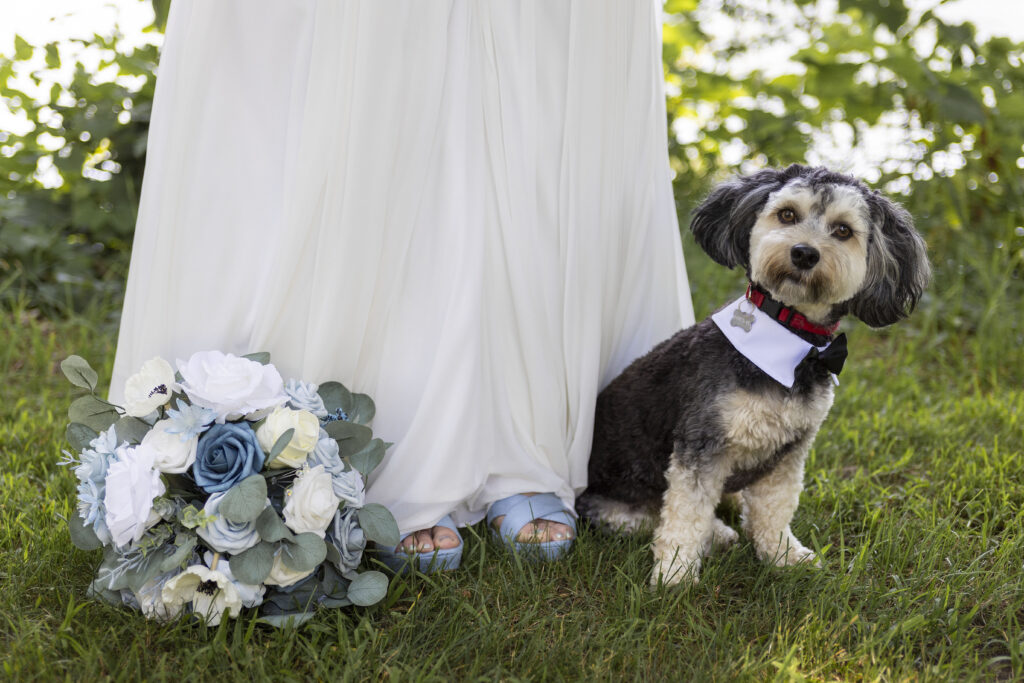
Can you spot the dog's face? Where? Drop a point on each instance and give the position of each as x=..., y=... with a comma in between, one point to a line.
x=818, y=241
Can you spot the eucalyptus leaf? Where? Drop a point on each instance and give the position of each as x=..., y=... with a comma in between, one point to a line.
x=279, y=445
x=82, y=536
x=351, y=437
x=363, y=409
x=131, y=429
x=303, y=552
x=97, y=591
x=367, y=459
x=79, y=435
x=378, y=524
x=292, y=620
x=94, y=413
x=261, y=357
x=368, y=588
x=253, y=565
x=271, y=528
x=184, y=543
x=335, y=396
x=79, y=372
x=245, y=500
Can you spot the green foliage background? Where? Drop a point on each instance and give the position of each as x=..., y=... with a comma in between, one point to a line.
x=953, y=107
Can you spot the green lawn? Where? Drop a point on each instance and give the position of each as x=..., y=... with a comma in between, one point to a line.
x=914, y=498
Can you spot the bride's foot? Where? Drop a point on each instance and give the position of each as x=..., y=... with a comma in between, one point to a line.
x=538, y=530
x=428, y=540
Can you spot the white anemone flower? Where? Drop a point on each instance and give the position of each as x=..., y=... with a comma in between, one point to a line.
x=211, y=593
x=149, y=388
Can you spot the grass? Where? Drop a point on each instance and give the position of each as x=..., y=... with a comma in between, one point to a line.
x=914, y=498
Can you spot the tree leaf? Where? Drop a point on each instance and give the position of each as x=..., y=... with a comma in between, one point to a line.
x=261, y=357
x=79, y=436
x=82, y=536
x=131, y=429
x=279, y=446
x=245, y=500
x=368, y=588
x=94, y=413
x=335, y=396
x=253, y=565
x=270, y=527
x=351, y=437
x=367, y=459
x=378, y=524
x=303, y=552
x=362, y=410
x=79, y=372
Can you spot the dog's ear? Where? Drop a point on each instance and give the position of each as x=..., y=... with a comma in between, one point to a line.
x=721, y=223
x=898, y=269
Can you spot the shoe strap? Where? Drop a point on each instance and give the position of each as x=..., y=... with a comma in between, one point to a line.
x=520, y=510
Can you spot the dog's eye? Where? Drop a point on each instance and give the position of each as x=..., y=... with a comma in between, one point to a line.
x=787, y=215
x=842, y=232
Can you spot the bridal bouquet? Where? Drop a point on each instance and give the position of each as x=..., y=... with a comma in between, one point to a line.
x=220, y=486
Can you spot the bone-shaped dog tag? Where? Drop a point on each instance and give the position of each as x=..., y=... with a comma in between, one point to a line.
x=742, y=319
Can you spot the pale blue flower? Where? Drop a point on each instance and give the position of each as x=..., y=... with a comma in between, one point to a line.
x=347, y=537
x=225, y=536
x=338, y=414
x=347, y=485
x=189, y=421
x=304, y=396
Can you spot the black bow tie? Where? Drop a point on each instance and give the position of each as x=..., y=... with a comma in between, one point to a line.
x=832, y=357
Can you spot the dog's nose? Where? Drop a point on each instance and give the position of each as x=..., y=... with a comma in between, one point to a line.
x=804, y=256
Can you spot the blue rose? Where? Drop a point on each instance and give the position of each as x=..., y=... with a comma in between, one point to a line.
x=227, y=454
x=348, y=538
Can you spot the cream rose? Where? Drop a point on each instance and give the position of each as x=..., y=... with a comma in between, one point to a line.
x=173, y=453
x=280, y=575
x=307, y=432
x=310, y=502
x=149, y=388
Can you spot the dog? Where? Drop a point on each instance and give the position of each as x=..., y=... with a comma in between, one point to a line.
x=733, y=403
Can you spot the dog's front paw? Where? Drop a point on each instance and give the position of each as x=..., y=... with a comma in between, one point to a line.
x=793, y=553
x=722, y=536
x=673, y=572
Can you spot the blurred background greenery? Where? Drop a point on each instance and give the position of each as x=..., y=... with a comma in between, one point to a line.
x=885, y=89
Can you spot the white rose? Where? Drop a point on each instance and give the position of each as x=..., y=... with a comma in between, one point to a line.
x=173, y=453
x=211, y=593
x=307, y=432
x=131, y=485
x=149, y=388
x=150, y=599
x=280, y=575
x=311, y=502
x=231, y=386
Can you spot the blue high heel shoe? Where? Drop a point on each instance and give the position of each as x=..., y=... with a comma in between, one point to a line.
x=519, y=510
x=437, y=560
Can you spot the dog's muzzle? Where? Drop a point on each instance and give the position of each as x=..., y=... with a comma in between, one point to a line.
x=804, y=256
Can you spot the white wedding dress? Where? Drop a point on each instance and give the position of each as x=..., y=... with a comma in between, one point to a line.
x=460, y=207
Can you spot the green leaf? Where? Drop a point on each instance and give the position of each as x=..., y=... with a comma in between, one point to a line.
x=362, y=410
x=79, y=372
x=131, y=429
x=94, y=413
x=52, y=56
x=22, y=48
x=335, y=396
x=279, y=446
x=351, y=437
x=368, y=588
x=82, y=536
x=304, y=552
x=79, y=436
x=253, y=565
x=378, y=524
x=183, y=545
x=245, y=500
x=270, y=527
x=97, y=591
x=367, y=459
x=261, y=357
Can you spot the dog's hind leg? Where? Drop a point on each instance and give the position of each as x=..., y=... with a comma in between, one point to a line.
x=768, y=507
x=687, y=525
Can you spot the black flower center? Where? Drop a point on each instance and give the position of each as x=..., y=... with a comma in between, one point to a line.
x=208, y=588
x=161, y=389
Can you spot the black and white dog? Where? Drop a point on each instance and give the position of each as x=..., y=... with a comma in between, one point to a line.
x=733, y=403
